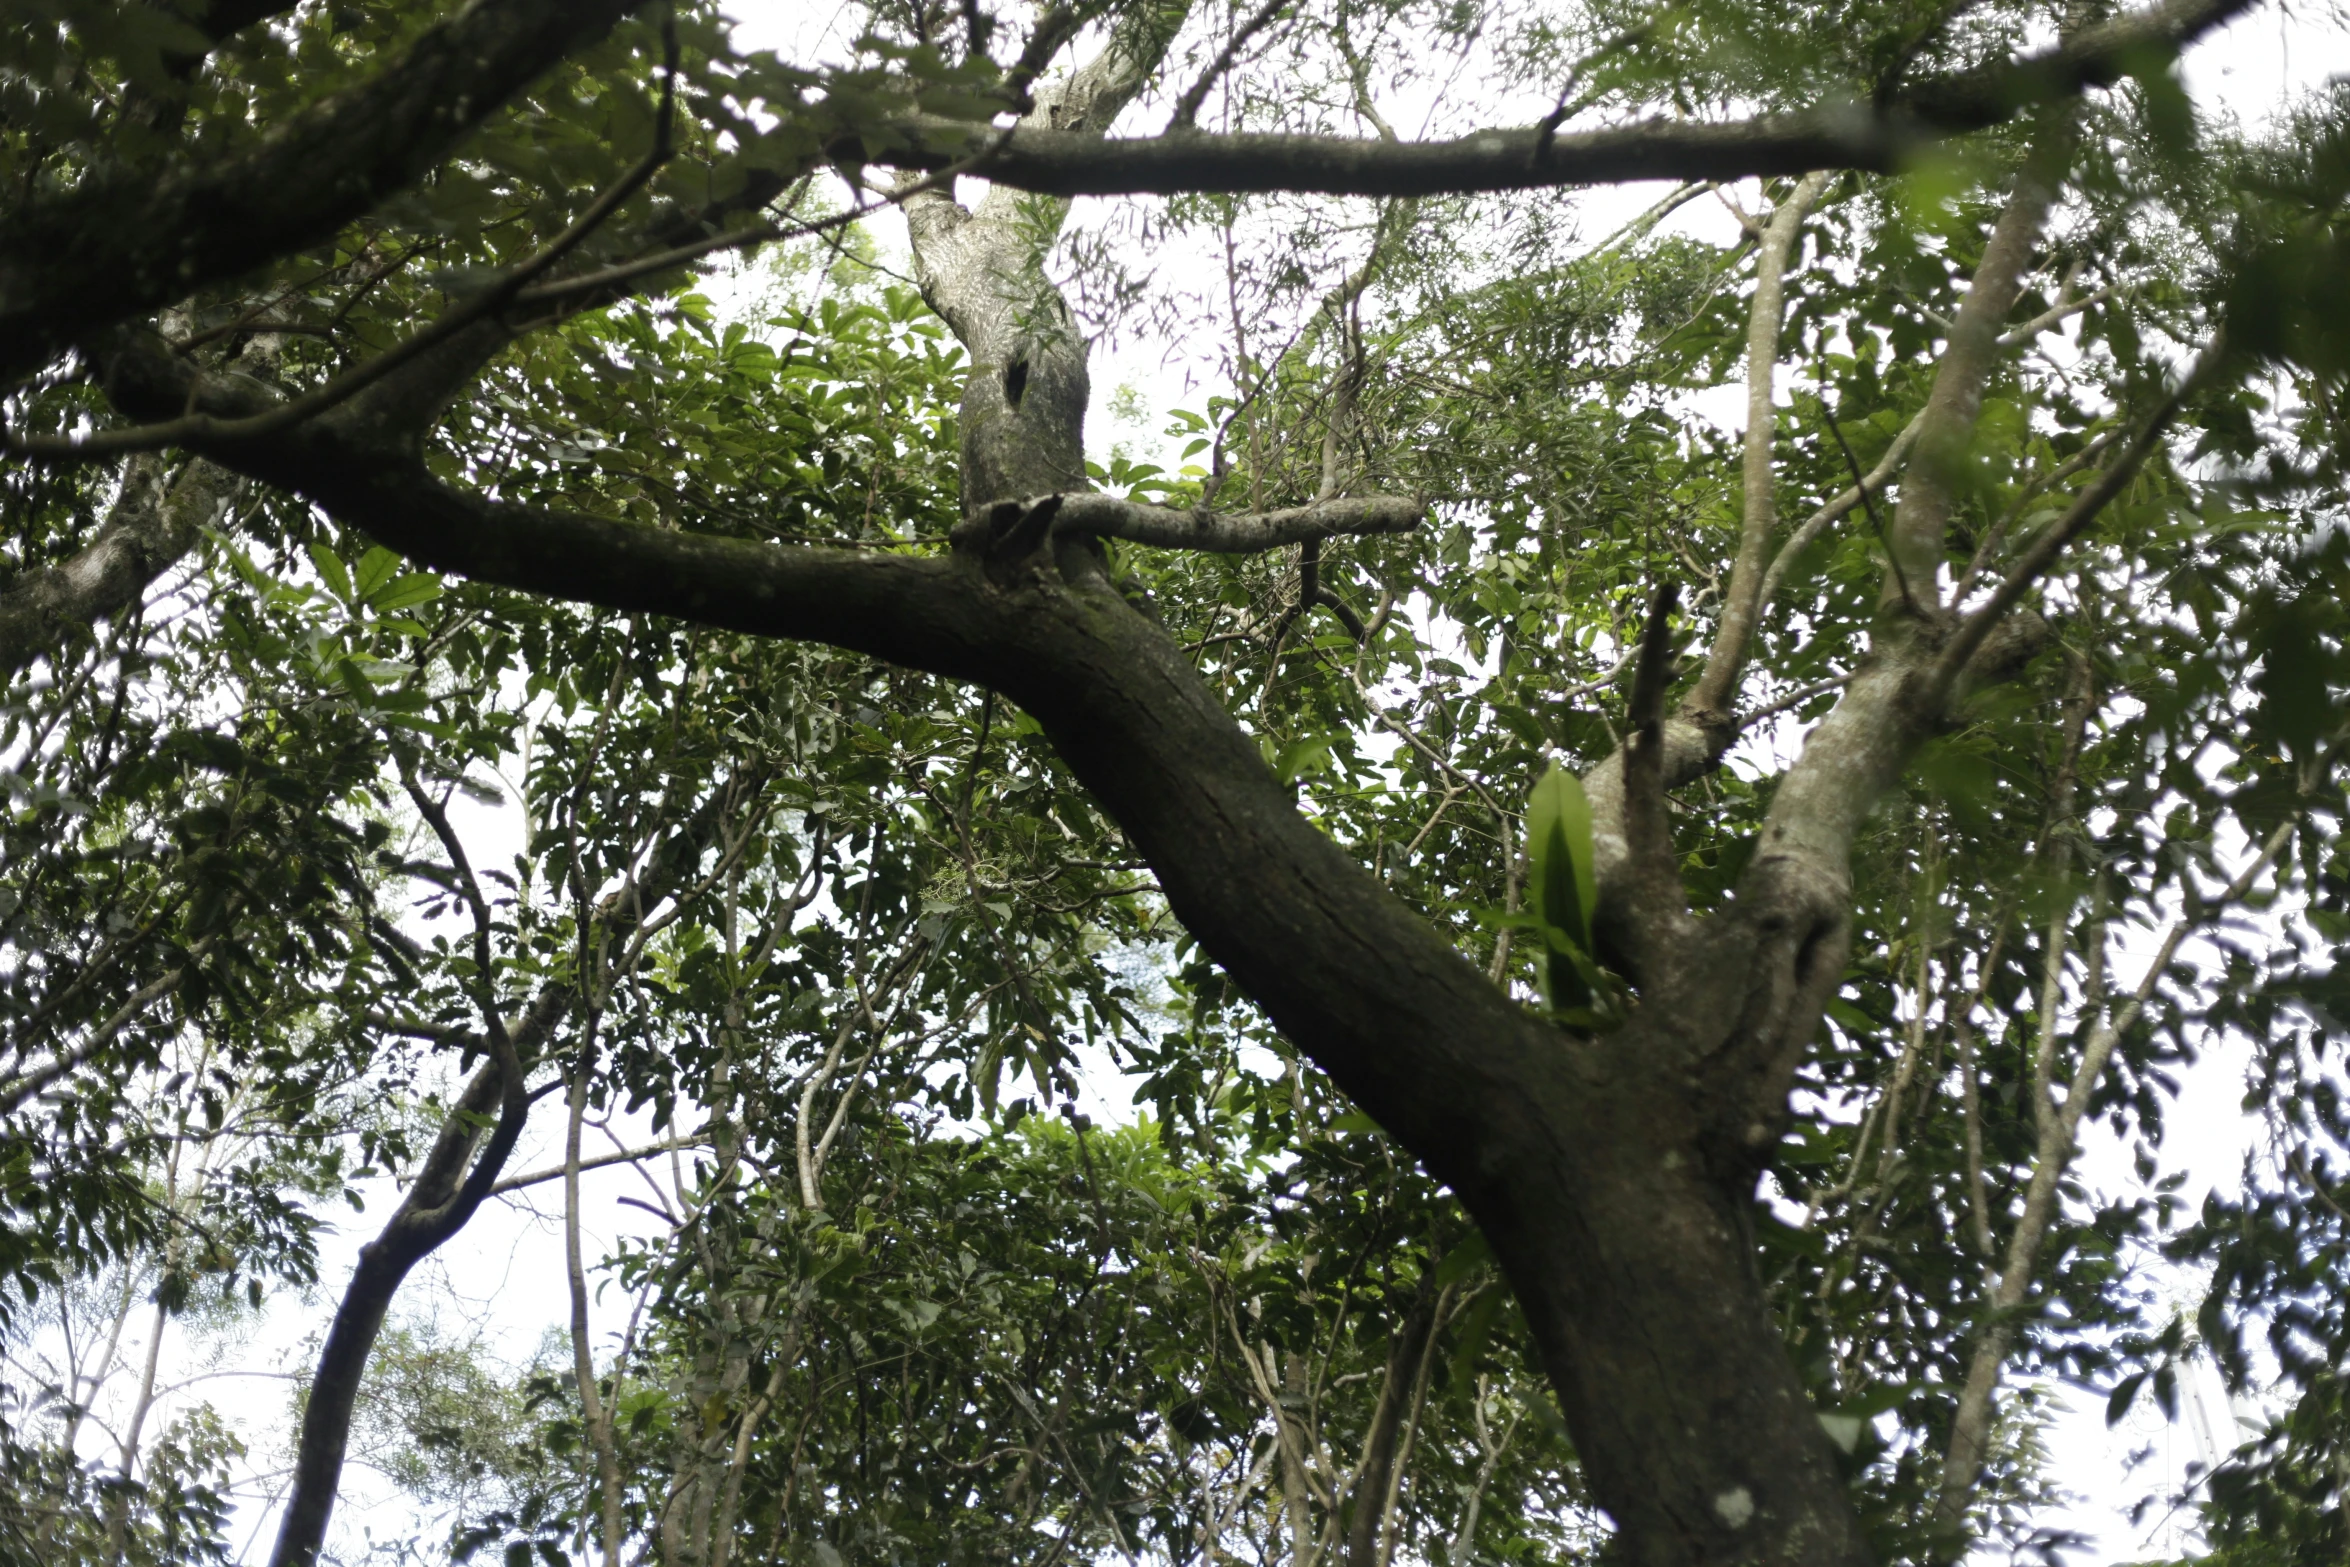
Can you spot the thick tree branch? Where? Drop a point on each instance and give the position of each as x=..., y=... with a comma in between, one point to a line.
x=1023, y=411
x=123, y=242
x=898, y=606
x=1883, y=138
x=482, y=305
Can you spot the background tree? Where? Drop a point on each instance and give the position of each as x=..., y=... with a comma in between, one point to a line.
x=857, y=789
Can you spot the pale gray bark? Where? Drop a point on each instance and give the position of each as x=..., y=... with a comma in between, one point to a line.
x=1717, y=687
x=982, y=269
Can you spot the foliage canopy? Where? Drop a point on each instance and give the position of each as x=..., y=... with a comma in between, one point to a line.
x=1615, y=917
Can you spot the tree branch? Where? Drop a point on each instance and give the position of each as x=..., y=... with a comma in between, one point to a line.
x=1229, y=533
x=1883, y=139
x=1915, y=546
x=515, y=1183
x=2051, y=542
x=1970, y=1430
x=1187, y=107
x=1717, y=686
x=484, y=304
x=1834, y=511
x=1657, y=905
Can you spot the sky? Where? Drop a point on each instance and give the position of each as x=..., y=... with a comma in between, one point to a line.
x=502, y=1277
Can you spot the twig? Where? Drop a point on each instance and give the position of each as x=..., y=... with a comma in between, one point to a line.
x=1867, y=498
x=1187, y=107
x=2042, y=552
x=1793, y=699
x=1568, y=105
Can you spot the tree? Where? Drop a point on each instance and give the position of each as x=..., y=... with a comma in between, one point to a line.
x=406, y=294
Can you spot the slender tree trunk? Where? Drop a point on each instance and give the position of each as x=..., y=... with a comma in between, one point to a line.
x=593, y=1413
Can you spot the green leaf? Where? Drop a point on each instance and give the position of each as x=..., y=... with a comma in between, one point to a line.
x=331, y=570
x=1565, y=885
x=376, y=568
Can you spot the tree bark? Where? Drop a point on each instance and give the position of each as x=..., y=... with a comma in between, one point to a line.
x=1054, y=160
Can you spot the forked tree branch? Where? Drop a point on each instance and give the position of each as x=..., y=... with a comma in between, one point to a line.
x=460, y=1173
x=484, y=303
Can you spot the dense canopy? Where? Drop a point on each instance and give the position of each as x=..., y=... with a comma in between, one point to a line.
x=1486, y=924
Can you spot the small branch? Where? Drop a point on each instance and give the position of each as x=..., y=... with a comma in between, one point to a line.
x=515, y=1183
x=1916, y=543
x=1053, y=31
x=1657, y=896
x=1434, y=757
x=2043, y=551
x=155, y=521
x=2051, y=316
x=595, y=1416
x=26, y=1084
x=1568, y=105
x=1836, y=510
x=1868, y=499
x=1187, y=107
x=1988, y=549
x=1228, y=533
x=1970, y=1430
x=1794, y=699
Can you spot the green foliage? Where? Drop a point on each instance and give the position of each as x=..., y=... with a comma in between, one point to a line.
x=238, y=973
